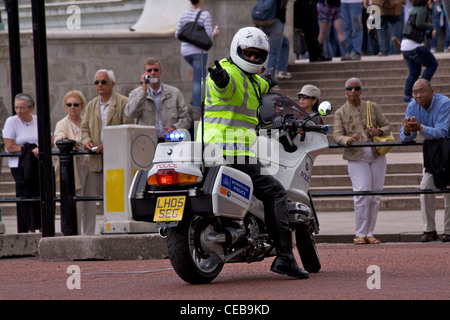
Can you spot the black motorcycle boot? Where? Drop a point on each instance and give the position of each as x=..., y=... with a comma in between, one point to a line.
x=285, y=263
x=277, y=223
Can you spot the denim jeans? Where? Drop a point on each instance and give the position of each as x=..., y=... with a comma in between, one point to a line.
x=279, y=47
x=195, y=60
x=436, y=24
x=352, y=25
x=415, y=59
x=394, y=24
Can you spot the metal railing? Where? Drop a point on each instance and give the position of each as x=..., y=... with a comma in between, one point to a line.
x=378, y=192
x=68, y=196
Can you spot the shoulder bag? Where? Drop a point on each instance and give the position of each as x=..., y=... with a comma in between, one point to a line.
x=195, y=34
x=380, y=150
x=410, y=30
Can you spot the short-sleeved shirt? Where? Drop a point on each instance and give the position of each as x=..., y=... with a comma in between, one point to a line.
x=21, y=132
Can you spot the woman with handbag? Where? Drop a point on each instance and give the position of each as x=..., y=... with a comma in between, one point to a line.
x=416, y=53
x=193, y=54
x=366, y=167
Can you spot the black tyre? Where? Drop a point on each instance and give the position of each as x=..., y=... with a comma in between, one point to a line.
x=186, y=255
x=307, y=250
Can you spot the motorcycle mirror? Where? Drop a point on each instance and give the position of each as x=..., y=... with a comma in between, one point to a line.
x=325, y=108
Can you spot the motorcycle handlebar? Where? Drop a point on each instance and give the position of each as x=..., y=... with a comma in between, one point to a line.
x=296, y=125
x=310, y=126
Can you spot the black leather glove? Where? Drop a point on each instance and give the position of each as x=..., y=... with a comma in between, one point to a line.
x=219, y=75
x=268, y=76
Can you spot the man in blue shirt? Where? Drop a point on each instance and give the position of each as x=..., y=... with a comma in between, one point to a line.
x=429, y=114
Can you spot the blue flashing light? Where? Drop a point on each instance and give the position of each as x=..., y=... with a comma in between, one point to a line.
x=175, y=136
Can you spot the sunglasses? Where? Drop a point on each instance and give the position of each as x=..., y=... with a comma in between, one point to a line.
x=96, y=82
x=351, y=88
x=72, y=104
x=302, y=96
x=250, y=53
x=152, y=69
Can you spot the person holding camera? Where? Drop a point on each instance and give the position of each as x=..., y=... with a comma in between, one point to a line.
x=156, y=104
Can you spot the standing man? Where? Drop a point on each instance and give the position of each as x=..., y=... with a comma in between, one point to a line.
x=305, y=20
x=156, y=104
x=351, y=12
x=429, y=114
x=279, y=43
x=234, y=92
x=105, y=110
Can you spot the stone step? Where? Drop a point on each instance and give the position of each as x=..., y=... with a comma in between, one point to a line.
x=391, y=117
x=374, y=63
x=338, y=100
x=386, y=204
x=395, y=79
x=396, y=149
x=331, y=181
x=341, y=169
x=7, y=187
x=298, y=81
x=9, y=208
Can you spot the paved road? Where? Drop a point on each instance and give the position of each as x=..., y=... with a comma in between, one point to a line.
x=400, y=271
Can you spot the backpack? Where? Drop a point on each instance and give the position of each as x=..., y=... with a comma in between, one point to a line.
x=264, y=13
x=410, y=30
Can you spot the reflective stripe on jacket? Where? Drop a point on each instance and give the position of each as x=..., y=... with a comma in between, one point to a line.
x=231, y=113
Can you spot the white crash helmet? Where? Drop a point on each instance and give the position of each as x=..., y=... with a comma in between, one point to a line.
x=249, y=37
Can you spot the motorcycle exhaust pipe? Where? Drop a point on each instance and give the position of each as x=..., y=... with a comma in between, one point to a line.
x=162, y=232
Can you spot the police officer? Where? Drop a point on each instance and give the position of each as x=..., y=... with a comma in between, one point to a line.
x=234, y=93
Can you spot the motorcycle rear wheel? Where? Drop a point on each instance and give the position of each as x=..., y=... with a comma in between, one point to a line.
x=186, y=255
x=307, y=250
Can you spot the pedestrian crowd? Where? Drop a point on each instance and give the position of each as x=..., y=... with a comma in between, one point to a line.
x=323, y=29
x=353, y=28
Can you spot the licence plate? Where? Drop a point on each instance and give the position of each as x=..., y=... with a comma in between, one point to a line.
x=169, y=208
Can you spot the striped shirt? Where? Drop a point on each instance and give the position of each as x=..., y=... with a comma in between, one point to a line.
x=189, y=16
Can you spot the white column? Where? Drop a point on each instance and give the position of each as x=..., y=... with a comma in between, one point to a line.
x=127, y=148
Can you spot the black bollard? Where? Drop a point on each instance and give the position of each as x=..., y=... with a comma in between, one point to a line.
x=67, y=188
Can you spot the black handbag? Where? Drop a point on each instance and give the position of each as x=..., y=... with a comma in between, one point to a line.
x=411, y=32
x=195, y=34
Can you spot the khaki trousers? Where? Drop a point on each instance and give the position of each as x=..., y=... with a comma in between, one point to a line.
x=428, y=205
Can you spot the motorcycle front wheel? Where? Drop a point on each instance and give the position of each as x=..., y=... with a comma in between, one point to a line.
x=186, y=255
x=306, y=247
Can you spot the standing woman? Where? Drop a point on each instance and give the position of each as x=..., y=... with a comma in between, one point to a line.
x=20, y=134
x=70, y=128
x=414, y=50
x=193, y=54
x=366, y=167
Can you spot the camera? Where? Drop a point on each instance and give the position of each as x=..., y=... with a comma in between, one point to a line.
x=94, y=149
x=149, y=79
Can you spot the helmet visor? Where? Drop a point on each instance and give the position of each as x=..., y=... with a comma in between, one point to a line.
x=253, y=55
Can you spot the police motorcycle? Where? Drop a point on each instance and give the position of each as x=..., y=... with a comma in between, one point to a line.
x=206, y=210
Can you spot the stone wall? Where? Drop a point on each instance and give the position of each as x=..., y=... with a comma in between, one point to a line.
x=75, y=55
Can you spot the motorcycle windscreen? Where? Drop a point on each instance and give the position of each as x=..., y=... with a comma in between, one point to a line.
x=275, y=104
